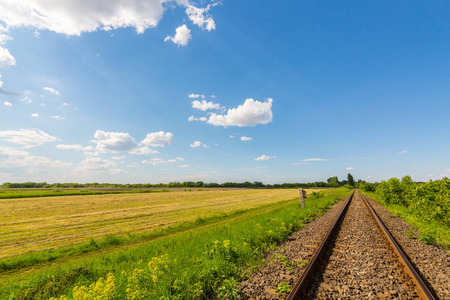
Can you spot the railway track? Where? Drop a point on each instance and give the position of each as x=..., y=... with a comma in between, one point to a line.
x=358, y=258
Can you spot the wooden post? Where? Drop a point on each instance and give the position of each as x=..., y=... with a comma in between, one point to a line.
x=302, y=198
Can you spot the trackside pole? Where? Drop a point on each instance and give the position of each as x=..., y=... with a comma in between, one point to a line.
x=302, y=194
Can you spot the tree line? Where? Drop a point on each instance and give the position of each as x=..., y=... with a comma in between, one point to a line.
x=331, y=182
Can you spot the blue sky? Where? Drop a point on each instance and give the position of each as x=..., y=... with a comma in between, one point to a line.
x=280, y=91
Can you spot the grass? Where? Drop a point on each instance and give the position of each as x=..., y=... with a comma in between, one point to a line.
x=430, y=232
x=204, y=262
x=32, y=193
x=37, y=224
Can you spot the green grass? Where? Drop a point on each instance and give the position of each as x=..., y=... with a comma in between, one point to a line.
x=109, y=242
x=195, y=264
x=32, y=193
x=431, y=232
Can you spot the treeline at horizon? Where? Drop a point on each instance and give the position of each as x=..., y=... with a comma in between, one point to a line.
x=331, y=182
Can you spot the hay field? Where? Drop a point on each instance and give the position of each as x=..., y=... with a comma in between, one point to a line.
x=34, y=224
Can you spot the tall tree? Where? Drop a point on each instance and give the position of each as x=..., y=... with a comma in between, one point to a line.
x=350, y=180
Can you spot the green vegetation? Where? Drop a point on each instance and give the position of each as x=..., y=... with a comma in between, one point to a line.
x=284, y=287
x=425, y=206
x=31, y=193
x=202, y=263
x=186, y=184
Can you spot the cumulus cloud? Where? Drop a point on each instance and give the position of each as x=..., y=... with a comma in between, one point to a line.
x=197, y=144
x=200, y=17
x=35, y=115
x=158, y=139
x=251, y=113
x=195, y=96
x=264, y=157
x=7, y=103
x=72, y=17
x=6, y=59
x=403, y=152
x=75, y=147
x=51, y=90
x=181, y=37
x=113, y=141
x=27, y=137
x=143, y=151
x=192, y=118
x=19, y=158
x=246, y=138
x=205, y=105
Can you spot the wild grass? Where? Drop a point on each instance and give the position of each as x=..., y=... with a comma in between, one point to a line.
x=204, y=262
x=430, y=231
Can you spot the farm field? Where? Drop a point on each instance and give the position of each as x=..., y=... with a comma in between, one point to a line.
x=210, y=256
x=35, y=224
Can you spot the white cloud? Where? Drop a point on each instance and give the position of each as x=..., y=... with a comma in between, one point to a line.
x=1, y=81
x=51, y=90
x=185, y=166
x=197, y=144
x=98, y=164
x=59, y=118
x=143, y=151
x=35, y=115
x=118, y=157
x=315, y=159
x=199, y=17
x=232, y=136
x=12, y=152
x=113, y=141
x=75, y=147
x=158, y=139
x=205, y=105
x=195, y=96
x=350, y=168
x=250, y=113
x=246, y=138
x=403, y=152
x=300, y=163
x=192, y=118
x=18, y=158
x=27, y=137
x=6, y=59
x=158, y=161
x=264, y=157
x=72, y=17
x=7, y=103
x=181, y=37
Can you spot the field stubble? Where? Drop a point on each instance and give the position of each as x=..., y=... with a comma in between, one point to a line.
x=36, y=224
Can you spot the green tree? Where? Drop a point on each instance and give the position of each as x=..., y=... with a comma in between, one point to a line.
x=333, y=181
x=350, y=179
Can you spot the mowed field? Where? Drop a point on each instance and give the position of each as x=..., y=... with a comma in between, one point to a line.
x=35, y=224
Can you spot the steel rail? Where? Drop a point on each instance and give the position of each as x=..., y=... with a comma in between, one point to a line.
x=300, y=287
x=419, y=285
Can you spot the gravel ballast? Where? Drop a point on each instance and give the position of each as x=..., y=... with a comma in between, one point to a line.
x=360, y=266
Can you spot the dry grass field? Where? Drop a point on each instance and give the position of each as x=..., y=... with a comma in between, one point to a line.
x=35, y=224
